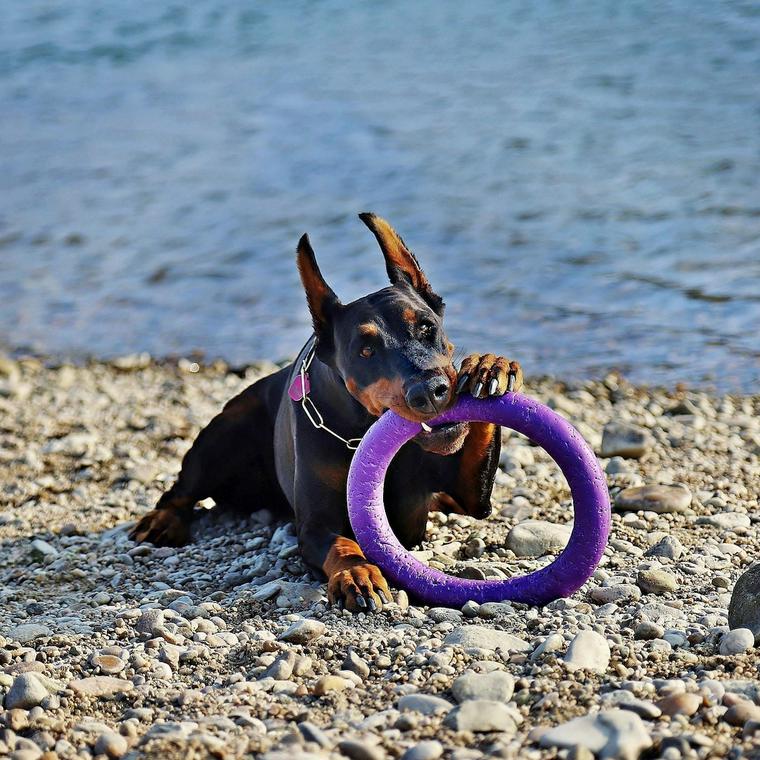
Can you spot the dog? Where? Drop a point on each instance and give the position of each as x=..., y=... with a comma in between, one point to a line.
x=285, y=443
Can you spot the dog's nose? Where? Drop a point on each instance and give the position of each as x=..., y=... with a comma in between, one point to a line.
x=428, y=395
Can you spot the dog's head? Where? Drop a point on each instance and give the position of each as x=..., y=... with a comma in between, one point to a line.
x=389, y=347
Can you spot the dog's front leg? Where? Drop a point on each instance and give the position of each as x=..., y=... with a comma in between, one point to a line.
x=352, y=581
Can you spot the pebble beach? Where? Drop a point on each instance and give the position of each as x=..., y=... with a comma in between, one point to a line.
x=227, y=648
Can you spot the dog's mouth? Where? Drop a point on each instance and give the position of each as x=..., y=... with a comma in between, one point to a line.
x=441, y=439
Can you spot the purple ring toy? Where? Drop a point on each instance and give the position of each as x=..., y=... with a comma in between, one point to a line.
x=543, y=426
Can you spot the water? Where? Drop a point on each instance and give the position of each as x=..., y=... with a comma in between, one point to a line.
x=580, y=181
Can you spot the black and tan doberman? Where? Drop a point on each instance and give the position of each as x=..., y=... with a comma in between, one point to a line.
x=387, y=350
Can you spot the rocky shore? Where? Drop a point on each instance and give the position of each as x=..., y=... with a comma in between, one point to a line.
x=226, y=648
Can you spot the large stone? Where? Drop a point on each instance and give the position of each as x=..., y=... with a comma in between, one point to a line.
x=481, y=715
x=27, y=691
x=534, y=538
x=589, y=650
x=744, y=608
x=481, y=637
x=427, y=704
x=100, y=686
x=303, y=631
x=656, y=498
x=497, y=686
x=618, y=734
x=621, y=439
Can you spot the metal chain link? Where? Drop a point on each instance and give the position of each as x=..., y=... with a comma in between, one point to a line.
x=312, y=413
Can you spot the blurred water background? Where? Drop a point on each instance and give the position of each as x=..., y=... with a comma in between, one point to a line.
x=581, y=181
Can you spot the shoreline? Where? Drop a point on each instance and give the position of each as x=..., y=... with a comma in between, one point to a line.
x=134, y=651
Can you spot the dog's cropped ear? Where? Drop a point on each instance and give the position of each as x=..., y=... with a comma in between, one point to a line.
x=322, y=301
x=401, y=263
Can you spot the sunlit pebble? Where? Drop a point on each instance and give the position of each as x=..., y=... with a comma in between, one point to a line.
x=188, y=366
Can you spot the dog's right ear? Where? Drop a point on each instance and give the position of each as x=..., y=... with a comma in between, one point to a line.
x=322, y=301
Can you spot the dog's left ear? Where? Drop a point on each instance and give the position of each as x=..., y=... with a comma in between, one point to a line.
x=401, y=263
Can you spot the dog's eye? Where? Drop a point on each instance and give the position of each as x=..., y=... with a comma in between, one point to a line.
x=427, y=329
x=366, y=352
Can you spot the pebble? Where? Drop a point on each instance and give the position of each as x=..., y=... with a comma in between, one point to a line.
x=736, y=641
x=427, y=704
x=355, y=664
x=621, y=439
x=100, y=686
x=111, y=745
x=109, y=664
x=303, y=631
x=535, y=538
x=327, y=684
x=481, y=715
x=312, y=733
x=680, y=704
x=726, y=520
x=358, y=750
x=26, y=692
x=616, y=734
x=28, y=632
x=42, y=549
x=668, y=546
x=654, y=498
x=648, y=630
x=656, y=581
x=497, y=686
x=588, y=651
x=425, y=750
x=619, y=592
x=744, y=608
x=150, y=623
x=741, y=712
x=480, y=637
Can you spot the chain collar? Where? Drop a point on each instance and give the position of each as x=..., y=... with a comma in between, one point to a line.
x=310, y=409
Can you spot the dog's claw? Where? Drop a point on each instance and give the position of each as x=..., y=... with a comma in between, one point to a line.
x=385, y=597
x=372, y=605
x=477, y=389
x=493, y=386
x=462, y=382
x=339, y=604
x=361, y=601
x=512, y=378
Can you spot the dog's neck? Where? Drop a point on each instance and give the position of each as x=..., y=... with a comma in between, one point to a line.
x=340, y=409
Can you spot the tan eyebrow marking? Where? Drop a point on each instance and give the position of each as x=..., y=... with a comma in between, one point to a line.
x=368, y=329
x=409, y=315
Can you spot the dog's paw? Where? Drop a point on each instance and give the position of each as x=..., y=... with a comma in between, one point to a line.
x=489, y=375
x=162, y=527
x=359, y=588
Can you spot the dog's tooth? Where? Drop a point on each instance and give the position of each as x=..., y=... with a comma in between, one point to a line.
x=477, y=389
x=493, y=386
x=426, y=427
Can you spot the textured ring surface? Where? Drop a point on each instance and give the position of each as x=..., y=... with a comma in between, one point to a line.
x=565, y=575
